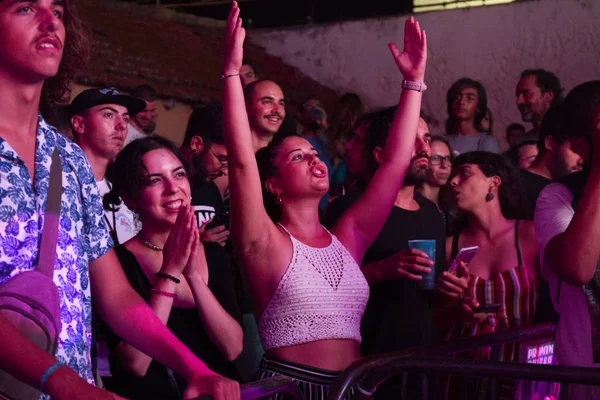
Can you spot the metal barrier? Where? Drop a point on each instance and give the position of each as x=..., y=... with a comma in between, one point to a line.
x=265, y=388
x=270, y=386
x=358, y=369
x=477, y=368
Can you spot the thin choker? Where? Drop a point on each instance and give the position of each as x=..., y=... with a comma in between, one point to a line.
x=150, y=245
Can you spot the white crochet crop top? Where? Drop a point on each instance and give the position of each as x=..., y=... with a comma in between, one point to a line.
x=322, y=295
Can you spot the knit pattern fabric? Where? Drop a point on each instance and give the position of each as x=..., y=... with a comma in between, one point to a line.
x=322, y=295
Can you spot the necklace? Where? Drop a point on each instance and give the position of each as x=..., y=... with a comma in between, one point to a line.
x=150, y=245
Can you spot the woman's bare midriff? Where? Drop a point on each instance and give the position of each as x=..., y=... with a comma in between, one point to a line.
x=331, y=354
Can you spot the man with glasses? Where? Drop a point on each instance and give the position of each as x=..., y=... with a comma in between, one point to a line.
x=438, y=174
x=204, y=147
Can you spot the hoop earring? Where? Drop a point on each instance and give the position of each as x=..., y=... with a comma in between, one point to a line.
x=489, y=197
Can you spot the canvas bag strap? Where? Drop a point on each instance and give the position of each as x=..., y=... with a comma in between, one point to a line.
x=47, y=256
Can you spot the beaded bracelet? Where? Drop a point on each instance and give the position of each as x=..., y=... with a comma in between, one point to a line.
x=163, y=293
x=167, y=276
x=49, y=372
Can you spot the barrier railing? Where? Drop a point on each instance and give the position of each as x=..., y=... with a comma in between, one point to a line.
x=360, y=368
x=266, y=388
x=270, y=386
x=477, y=368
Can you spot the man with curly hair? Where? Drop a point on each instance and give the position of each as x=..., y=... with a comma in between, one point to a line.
x=41, y=44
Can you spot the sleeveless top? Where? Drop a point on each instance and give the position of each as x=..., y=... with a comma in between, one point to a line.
x=322, y=295
x=514, y=288
x=160, y=382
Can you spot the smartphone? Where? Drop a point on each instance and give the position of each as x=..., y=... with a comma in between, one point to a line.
x=465, y=255
x=487, y=308
x=218, y=220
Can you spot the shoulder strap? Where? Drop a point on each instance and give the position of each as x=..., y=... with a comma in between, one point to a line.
x=517, y=243
x=454, y=250
x=284, y=228
x=47, y=255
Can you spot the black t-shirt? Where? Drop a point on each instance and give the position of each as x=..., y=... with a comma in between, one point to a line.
x=185, y=324
x=207, y=202
x=399, y=314
x=533, y=184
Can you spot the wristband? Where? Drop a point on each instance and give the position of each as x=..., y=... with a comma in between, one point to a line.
x=167, y=276
x=163, y=293
x=413, y=85
x=228, y=76
x=49, y=372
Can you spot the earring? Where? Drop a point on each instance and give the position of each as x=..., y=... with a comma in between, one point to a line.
x=489, y=197
x=278, y=199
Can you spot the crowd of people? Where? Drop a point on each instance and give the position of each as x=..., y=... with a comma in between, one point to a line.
x=276, y=245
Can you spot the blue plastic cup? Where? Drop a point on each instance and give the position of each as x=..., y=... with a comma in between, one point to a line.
x=427, y=246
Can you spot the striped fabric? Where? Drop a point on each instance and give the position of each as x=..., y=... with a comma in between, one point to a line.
x=516, y=290
x=314, y=383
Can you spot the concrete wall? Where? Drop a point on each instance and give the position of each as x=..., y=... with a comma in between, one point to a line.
x=490, y=44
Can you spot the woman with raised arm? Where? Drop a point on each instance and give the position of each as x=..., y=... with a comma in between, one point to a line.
x=307, y=288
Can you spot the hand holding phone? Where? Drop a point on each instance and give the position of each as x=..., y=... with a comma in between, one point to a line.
x=475, y=313
x=465, y=255
x=487, y=308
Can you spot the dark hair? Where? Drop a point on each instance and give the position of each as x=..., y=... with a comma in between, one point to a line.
x=443, y=139
x=376, y=135
x=144, y=92
x=553, y=125
x=513, y=154
x=246, y=61
x=249, y=89
x=128, y=178
x=580, y=107
x=454, y=91
x=206, y=122
x=515, y=126
x=75, y=57
x=265, y=159
x=348, y=111
x=547, y=82
x=490, y=130
x=510, y=192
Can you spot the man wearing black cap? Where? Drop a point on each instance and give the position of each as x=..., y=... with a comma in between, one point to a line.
x=99, y=119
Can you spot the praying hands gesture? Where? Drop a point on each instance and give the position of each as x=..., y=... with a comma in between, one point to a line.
x=178, y=247
x=411, y=62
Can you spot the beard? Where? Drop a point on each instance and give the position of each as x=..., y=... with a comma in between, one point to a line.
x=416, y=174
x=149, y=127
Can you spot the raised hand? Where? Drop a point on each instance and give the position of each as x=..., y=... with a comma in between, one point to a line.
x=234, y=41
x=412, y=60
x=178, y=246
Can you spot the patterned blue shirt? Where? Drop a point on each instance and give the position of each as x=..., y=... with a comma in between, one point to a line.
x=82, y=235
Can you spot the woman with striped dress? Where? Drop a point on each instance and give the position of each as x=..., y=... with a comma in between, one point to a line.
x=505, y=269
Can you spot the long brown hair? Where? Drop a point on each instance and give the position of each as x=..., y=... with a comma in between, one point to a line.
x=75, y=57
